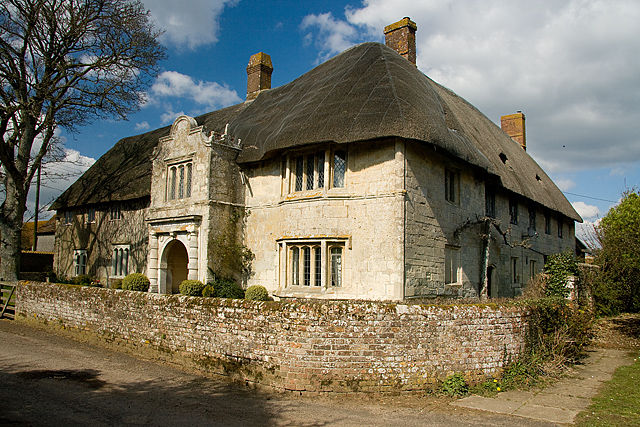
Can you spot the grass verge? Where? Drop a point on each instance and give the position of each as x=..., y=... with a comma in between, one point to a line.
x=618, y=403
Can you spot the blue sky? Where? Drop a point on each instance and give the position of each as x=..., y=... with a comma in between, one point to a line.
x=572, y=66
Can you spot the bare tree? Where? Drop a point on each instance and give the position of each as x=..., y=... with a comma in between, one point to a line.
x=63, y=63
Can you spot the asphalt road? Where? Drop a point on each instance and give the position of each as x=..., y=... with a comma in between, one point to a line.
x=50, y=380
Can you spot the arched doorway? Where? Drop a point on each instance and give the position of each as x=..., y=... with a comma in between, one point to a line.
x=177, y=260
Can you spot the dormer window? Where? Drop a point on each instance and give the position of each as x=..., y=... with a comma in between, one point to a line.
x=307, y=171
x=179, y=179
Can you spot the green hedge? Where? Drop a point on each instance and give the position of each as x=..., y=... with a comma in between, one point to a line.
x=228, y=288
x=256, y=293
x=136, y=282
x=192, y=288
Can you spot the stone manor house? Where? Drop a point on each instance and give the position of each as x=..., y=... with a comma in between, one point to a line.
x=361, y=179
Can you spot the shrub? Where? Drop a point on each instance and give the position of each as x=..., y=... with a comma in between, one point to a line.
x=228, y=288
x=256, y=293
x=136, y=282
x=192, y=288
x=454, y=385
x=83, y=279
x=536, y=287
x=557, y=332
x=209, y=291
x=116, y=284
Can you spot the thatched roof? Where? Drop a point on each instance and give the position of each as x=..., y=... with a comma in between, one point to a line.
x=365, y=93
x=124, y=172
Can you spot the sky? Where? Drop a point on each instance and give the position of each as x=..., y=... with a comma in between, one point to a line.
x=571, y=66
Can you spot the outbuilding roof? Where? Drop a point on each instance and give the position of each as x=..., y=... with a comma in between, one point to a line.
x=365, y=93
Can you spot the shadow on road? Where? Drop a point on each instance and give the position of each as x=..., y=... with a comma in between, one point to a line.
x=81, y=397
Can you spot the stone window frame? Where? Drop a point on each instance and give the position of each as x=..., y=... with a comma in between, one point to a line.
x=339, y=168
x=91, y=215
x=314, y=170
x=67, y=217
x=115, y=212
x=179, y=180
x=547, y=222
x=452, y=185
x=532, y=268
x=452, y=266
x=514, y=277
x=560, y=227
x=79, y=261
x=513, y=211
x=490, y=201
x=120, y=260
x=314, y=263
x=532, y=219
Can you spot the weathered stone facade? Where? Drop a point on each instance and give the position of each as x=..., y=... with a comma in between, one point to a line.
x=111, y=225
x=195, y=188
x=362, y=179
x=319, y=347
x=434, y=223
x=365, y=217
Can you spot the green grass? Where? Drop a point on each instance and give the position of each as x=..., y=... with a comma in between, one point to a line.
x=618, y=403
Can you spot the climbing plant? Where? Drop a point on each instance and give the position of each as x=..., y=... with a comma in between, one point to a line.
x=559, y=268
x=231, y=257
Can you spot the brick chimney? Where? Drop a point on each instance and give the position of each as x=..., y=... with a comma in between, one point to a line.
x=513, y=125
x=401, y=37
x=258, y=74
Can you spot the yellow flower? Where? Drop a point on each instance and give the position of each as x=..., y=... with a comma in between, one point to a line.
x=495, y=381
x=498, y=389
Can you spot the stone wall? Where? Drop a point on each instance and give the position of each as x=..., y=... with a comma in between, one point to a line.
x=367, y=213
x=433, y=223
x=321, y=346
x=99, y=237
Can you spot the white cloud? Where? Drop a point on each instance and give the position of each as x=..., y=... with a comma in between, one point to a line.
x=333, y=36
x=192, y=24
x=587, y=212
x=209, y=94
x=571, y=66
x=142, y=126
x=565, y=184
x=170, y=115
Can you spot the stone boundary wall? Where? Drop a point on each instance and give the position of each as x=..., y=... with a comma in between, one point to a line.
x=328, y=346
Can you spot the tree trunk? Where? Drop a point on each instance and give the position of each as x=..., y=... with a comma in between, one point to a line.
x=11, y=214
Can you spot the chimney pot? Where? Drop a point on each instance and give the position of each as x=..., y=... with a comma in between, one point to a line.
x=258, y=74
x=513, y=125
x=401, y=37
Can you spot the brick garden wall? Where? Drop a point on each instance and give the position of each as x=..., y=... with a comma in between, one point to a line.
x=319, y=346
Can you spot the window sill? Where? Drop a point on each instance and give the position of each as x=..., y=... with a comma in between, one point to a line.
x=301, y=288
x=315, y=195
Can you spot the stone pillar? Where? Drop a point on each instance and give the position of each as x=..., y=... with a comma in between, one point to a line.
x=193, y=255
x=152, y=268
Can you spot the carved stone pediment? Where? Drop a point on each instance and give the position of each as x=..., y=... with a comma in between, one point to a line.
x=186, y=131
